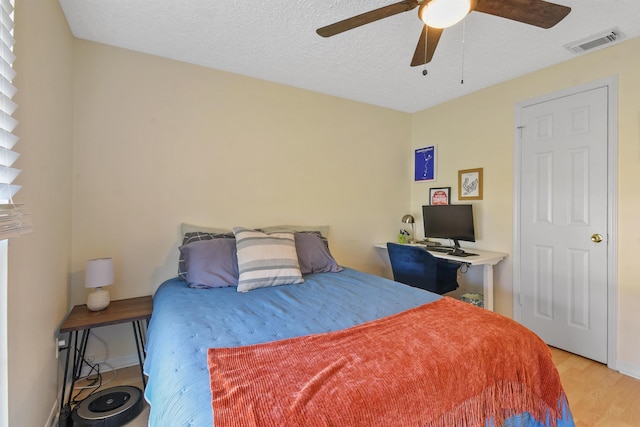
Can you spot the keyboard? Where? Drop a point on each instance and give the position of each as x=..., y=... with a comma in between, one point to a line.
x=443, y=249
x=450, y=251
x=462, y=254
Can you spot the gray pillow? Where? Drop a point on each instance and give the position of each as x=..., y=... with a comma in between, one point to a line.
x=211, y=263
x=194, y=237
x=314, y=255
x=190, y=228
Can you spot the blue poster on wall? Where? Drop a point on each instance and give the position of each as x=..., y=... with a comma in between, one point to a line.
x=425, y=160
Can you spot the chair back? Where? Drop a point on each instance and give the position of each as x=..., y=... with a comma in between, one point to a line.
x=414, y=266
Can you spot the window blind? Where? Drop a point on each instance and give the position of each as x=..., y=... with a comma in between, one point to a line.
x=14, y=219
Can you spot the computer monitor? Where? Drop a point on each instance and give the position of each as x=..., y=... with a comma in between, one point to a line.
x=453, y=222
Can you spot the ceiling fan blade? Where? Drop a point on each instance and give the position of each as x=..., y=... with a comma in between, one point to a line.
x=534, y=12
x=366, y=18
x=431, y=36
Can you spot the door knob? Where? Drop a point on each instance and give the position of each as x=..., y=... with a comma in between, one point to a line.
x=596, y=238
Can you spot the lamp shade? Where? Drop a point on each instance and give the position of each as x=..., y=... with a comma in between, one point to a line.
x=408, y=219
x=99, y=273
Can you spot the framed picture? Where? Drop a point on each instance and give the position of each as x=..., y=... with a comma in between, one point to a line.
x=425, y=164
x=470, y=184
x=440, y=195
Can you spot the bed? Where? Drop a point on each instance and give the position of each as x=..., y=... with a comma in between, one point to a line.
x=338, y=346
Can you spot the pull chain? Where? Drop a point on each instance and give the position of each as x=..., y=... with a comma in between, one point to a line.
x=426, y=38
x=464, y=25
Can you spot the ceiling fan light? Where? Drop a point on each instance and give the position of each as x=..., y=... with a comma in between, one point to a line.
x=444, y=13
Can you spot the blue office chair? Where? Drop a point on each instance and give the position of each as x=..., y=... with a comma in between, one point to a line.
x=414, y=266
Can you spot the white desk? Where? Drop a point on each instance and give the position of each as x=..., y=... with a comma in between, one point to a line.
x=485, y=258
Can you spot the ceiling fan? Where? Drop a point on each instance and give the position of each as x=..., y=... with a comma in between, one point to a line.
x=440, y=14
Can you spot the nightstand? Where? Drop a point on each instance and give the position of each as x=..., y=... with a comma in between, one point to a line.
x=81, y=319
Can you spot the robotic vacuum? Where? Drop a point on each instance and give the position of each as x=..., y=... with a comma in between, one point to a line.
x=112, y=407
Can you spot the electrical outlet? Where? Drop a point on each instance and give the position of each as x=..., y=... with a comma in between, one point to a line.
x=59, y=344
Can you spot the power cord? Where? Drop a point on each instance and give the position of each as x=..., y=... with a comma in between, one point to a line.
x=94, y=381
x=94, y=367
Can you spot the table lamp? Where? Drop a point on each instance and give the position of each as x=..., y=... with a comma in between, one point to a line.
x=99, y=273
x=408, y=219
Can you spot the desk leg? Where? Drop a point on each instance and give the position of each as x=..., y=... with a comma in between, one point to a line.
x=66, y=371
x=488, y=286
x=79, y=355
x=137, y=333
x=78, y=359
x=76, y=368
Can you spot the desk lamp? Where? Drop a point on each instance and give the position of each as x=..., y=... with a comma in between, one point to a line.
x=99, y=273
x=408, y=219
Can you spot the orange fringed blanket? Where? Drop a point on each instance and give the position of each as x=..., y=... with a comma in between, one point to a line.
x=445, y=363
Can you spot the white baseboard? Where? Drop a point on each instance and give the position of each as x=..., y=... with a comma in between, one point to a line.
x=108, y=365
x=52, y=421
x=628, y=369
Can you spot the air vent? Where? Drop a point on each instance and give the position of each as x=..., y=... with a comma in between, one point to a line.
x=594, y=41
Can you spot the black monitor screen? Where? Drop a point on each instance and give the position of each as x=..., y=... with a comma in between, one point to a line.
x=449, y=222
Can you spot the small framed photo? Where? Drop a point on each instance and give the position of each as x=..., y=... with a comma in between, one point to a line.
x=425, y=164
x=470, y=184
x=440, y=195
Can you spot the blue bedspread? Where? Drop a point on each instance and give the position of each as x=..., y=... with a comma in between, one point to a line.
x=186, y=322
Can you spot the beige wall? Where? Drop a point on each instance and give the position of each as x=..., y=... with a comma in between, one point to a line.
x=39, y=263
x=478, y=131
x=159, y=142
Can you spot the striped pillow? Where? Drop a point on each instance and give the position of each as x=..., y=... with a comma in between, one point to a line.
x=266, y=259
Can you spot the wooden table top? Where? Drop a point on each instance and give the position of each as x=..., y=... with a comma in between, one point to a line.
x=119, y=311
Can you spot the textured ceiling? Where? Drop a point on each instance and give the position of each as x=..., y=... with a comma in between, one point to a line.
x=276, y=41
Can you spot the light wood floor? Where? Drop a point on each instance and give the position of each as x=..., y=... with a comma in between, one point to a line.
x=598, y=396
